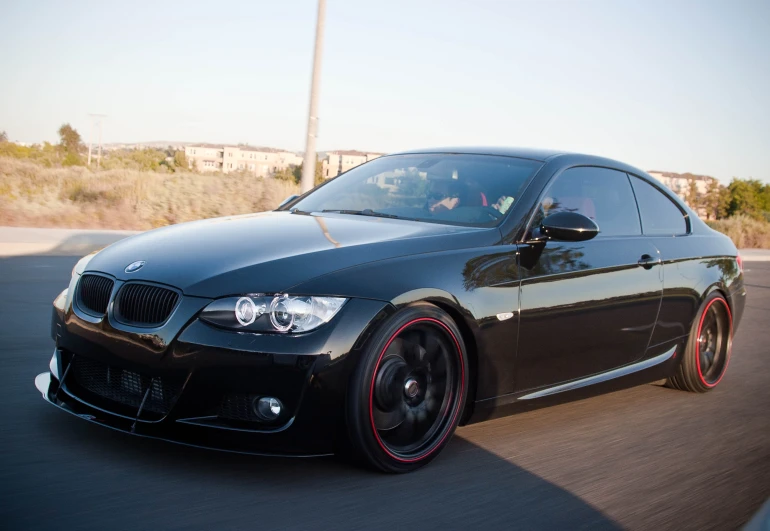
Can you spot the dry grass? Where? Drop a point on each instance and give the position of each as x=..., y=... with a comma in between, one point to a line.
x=746, y=232
x=75, y=197
x=32, y=195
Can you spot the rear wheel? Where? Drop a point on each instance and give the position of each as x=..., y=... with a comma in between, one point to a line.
x=708, y=348
x=408, y=390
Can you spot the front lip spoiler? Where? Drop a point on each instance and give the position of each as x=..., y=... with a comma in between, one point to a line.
x=43, y=383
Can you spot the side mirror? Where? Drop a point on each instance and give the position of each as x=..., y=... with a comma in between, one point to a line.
x=569, y=227
x=288, y=200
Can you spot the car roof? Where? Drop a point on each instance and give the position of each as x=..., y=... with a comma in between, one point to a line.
x=523, y=153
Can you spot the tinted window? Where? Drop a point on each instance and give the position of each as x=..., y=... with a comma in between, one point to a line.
x=603, y=195
x=457, y=189
x=659, y=214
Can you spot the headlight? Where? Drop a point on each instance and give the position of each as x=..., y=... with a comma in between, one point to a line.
x=82, y=263
x=272, y=313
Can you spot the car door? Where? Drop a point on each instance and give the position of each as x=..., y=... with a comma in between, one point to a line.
x=667, y=226
x=586, y=307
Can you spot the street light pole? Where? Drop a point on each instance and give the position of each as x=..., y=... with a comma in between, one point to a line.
x=308, y=166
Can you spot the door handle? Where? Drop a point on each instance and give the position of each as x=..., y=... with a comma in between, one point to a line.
x=648, y=262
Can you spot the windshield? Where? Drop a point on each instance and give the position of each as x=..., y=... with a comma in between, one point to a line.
x=456, y=189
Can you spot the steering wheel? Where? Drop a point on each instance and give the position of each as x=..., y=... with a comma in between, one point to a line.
x=493, y=213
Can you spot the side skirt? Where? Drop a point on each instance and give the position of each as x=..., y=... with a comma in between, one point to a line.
x=603, y=377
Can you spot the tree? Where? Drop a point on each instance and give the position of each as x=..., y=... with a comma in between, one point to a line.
x=71, y=144
x=69, y=139
x=744, y=198
x=692, y=192
x=319, y=173
x=723, y=206
x=763, y=195
x=711, y=200
x=180, y=160
x=288, y=174
x=3, y=136
x=295, y=174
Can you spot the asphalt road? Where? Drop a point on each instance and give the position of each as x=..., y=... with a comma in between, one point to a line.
x=643, y=458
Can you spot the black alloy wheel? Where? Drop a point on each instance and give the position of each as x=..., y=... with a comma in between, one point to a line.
x=407, y=394
x=708, y=349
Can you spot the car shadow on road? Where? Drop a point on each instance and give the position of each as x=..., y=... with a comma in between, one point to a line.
x=467, y=486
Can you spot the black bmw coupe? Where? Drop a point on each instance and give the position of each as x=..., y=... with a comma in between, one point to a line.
x=416, y=292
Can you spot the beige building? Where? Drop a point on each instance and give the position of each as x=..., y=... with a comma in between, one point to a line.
x=261, y=162
x=679, y=183
x=337, y=162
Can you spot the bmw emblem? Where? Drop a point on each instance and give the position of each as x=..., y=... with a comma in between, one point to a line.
x=135, y=266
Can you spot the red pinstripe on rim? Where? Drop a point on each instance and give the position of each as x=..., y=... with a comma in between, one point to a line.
x=374, y=375
x=729, y=342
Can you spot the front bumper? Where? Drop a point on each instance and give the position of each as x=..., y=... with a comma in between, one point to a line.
x=186, y=379
x=199, y=436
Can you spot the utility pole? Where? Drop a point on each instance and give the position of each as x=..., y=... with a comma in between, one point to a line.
x=90, y=142
x=99, y=156
x=96, y=119
x=308, y=166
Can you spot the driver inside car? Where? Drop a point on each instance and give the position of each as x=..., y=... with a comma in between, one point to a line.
x=444, y=194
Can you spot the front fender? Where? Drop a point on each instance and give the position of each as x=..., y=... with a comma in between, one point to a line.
x=473, y=285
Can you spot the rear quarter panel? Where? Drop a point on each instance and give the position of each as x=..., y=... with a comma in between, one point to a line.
x=693, y=267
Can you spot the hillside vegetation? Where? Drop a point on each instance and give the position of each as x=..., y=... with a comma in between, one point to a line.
x=745, y=231
x=48, y=186
x=33, y=195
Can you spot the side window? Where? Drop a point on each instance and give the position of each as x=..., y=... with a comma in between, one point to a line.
x=659, y=214
x=601, y=194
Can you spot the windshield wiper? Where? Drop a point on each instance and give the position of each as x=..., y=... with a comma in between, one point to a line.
x=365, y=212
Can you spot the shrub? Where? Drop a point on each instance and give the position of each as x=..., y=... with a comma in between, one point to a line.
x=76, y=197
x=746, y=232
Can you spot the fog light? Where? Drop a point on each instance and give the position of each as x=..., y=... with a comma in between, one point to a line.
x=267, y=408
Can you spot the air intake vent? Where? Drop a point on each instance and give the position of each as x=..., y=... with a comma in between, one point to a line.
x=93, y=294
x=238, y=407
x=144, y=304
x=126, y=387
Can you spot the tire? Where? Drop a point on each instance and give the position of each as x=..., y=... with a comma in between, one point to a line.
x=708, y=348
x=407, y=392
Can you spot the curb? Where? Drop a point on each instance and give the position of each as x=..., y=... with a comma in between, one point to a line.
x=18, y=241
x=755, y=255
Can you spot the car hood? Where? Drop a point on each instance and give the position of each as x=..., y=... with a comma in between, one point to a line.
x=270, y=252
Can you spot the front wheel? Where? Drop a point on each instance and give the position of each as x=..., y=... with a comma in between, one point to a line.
x=407, y=393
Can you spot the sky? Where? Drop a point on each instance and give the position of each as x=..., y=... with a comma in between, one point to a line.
x=675, y=85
